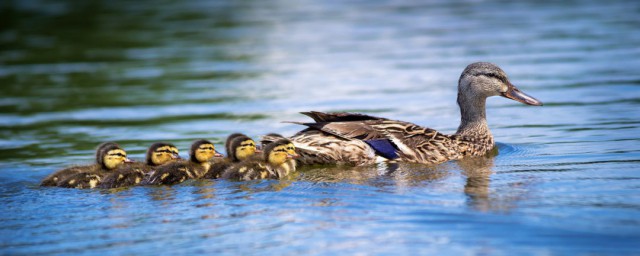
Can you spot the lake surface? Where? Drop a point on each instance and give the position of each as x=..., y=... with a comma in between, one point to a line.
x=565, y=179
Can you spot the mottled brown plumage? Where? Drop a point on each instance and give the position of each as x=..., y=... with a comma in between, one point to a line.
x=349, y=138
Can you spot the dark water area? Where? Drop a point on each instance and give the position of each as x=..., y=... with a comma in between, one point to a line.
x=564, y=180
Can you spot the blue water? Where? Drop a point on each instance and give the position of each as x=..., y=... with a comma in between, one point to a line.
x=565, y=178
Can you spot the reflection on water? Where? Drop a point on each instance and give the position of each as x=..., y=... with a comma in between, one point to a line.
x=77, y=73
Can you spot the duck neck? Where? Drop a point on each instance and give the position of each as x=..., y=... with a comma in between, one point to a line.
x=473, y=120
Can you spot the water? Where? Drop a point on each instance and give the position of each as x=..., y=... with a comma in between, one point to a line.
x=565, y=179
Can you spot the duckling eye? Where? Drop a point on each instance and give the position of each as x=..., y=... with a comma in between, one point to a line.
x=118, y=154
x=206, y=148
x=165, y=151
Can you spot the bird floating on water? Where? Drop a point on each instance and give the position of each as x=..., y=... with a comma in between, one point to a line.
x=110, y=157
x=358, y=139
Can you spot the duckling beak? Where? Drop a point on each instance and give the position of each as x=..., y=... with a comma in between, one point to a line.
x=515, y=94
x=292, y=156
x=175, y=156
x=127, y=160
x=217, y=154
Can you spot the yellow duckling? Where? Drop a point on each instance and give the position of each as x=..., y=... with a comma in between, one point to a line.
x=273, y=165
x=198, y=164
x=291, y=149
x=109, y=157
x=133, y=173
x=239, y=147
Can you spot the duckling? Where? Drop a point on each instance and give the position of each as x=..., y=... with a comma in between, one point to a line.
x=291, y=148
x=198, y=164
x=239, y=147
x=110, y=158
x=351, y=138
x=56, y=177
x=273, y=164
x=133, y=173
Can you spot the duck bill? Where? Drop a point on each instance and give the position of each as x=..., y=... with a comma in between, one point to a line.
x=217, y=154
x=292, y=156
x=127, y=160
x=515, y=94
x=175, y=156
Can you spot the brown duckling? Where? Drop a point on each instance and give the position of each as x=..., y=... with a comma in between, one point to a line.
x=133, y=173
x=273, y=165
x=198, y=164
x=110, y=157
x=239, y=147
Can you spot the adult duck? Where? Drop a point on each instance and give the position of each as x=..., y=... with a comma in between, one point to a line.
x=349, y=138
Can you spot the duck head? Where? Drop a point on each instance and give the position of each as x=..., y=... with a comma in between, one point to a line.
x=481, y=80
x=109, y=155
x=279, y=152
x=202, y=151
x=161, y=153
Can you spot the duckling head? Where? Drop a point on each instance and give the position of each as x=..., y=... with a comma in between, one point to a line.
x=100, y=150
x=279, y=152
x=202, y=151
x=227, y=143
x=111, y=156
x=242, y=147
x=161, y=152
x=291, y=150
x=481, y=80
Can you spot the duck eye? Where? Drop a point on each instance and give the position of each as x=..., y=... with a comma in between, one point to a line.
x=493, y=75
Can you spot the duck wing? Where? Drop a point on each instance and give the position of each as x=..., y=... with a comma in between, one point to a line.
x=419, y=144
x=388, y=138
x=338, y=117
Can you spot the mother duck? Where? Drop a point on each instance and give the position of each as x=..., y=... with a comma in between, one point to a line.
x=349, y=138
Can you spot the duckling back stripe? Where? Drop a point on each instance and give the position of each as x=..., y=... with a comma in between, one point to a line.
x=384, y=148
